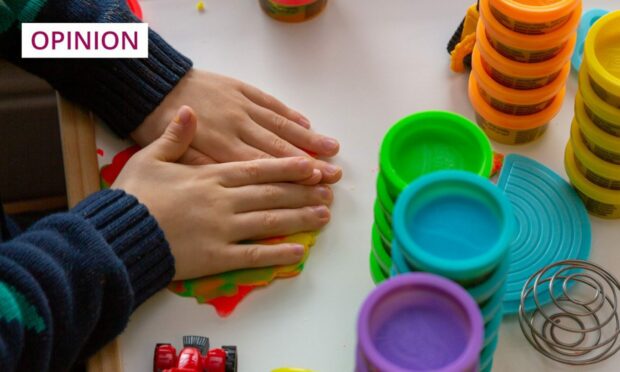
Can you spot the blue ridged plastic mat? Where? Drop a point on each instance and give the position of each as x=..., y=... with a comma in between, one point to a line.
x=552, y=224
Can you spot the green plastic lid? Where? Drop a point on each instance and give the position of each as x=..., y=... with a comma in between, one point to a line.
x=379, y=250
x=429, y=141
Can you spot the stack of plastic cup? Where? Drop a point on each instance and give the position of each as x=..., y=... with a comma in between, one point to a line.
x=419, y=322
x=458, y=225
x=417, y=145
x=592, y=156
x=520, y=65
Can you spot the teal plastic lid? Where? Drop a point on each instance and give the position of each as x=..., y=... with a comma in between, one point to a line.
x=453, y=223
x=552, y=224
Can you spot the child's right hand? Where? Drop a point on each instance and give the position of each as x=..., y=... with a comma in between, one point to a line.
x=206, y=210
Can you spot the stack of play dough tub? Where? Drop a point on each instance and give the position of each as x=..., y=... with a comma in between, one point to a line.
x=520, y=65
x=458, y=225
x=592, y=156
x=417, y=145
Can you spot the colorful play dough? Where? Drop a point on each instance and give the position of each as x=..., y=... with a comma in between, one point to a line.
x=231, y=284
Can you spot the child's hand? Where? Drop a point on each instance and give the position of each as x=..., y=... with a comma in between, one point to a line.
x=205, y=210
x=238, y=122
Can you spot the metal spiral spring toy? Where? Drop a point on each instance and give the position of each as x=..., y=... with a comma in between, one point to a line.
x=579, y=323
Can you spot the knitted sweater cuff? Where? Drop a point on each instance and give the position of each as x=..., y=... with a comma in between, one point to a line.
x=134, y=236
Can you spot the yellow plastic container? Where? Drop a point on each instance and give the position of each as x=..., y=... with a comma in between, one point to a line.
x=511, y=129
x=514, y=101
x=528, y=48
x=533, y=16
x=293, y=10
x=602, y=54
x=604, y=115
x=599, y=201
x=596, y=170
x=520, y=75
x=601, y=143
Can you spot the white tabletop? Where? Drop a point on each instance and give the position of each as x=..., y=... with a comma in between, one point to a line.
x=354, y=71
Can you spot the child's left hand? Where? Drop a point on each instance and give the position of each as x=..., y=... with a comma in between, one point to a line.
x=238, y=122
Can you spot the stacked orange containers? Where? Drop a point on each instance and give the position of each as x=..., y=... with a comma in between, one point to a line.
x=520, y=65
x=592, y=155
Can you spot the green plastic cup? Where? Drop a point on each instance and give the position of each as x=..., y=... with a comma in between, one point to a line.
x=383, y=226
x=379, y=250
x=376, y=273
x=429, y=141
x=385, y=200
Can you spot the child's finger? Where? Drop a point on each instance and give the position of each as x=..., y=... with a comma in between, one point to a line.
x=270, y=102
x=177, y=137
x=267, y=141
x=257, y=255
x=195, y=157
x=296, y=135
x=277, y=222
x=279, y=196
x=265, y=171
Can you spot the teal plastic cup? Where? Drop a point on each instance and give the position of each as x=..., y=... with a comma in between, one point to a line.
x=454, y=224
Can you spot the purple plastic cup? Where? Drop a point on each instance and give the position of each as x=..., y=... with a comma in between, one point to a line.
x=419, y=322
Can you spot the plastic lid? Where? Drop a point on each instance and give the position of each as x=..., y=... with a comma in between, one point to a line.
x=376, y=273
x=521, y=69
x=385, y=200
x=591, y=131
x=536, y=11
x=587, y=20
x=602, y=52
x=429, y=141
x=293, y=2
x=551, y=223
x=508, y=37
x=491, y=330
x=453, y=223
x=486, y=357
x=589, y=160
x=399, y=263
x=492, y=308
x=516, y=96
x=514, y=122
x=591, y=190
x=596, y=104
x=381, y=255
x=382, y=224
x=425, y=310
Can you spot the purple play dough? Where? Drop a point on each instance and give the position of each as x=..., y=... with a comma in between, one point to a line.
x=419, y=322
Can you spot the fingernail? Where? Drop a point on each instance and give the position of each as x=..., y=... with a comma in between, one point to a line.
x=332, y=169
x=321, y=211
x=299, y=250
x=304, y=121
x=184, y=115
x=330, y=143
x=325, y=192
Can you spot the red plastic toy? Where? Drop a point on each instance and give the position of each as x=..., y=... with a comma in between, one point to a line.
x=134, y=6
x=195, y=357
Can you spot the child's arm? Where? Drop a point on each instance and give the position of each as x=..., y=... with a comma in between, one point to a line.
x=69, y=284
x=138, y=96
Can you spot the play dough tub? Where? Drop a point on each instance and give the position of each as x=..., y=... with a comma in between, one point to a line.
x=528, y=48
x=417, y=322
x=604, y=115
x=520, y=75
x=511, y=129
x=602, y=55
x=533, y=16
x=455, y=224
x=515, y=101
x=601, y=143
x=293, y=10
x=598, y=200
x=429, y=141
x=595, y=169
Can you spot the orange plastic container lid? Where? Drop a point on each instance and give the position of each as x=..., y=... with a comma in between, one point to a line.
x=514, y=122
x=516, y=96
x=522, y=69
x=536, y=11
x=602, y=52
x=551, y=40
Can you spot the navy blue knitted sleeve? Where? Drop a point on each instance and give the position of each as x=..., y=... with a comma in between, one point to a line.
x=69, y=283
x=123, y=92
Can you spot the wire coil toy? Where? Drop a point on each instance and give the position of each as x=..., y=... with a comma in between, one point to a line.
x=580, y=324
